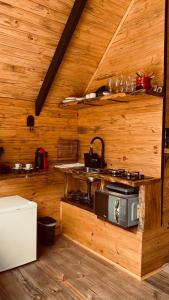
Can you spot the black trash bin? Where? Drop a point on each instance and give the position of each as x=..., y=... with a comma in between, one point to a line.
x=46, y=230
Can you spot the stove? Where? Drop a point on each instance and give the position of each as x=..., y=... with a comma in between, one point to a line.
x=124, y=174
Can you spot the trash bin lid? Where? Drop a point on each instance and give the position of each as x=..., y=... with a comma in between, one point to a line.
x=46, y=221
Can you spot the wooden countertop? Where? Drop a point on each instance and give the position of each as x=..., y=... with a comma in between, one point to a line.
x=23, y=174
x=83, y=175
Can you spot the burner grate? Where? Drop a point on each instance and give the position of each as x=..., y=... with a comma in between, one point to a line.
x=124, y=174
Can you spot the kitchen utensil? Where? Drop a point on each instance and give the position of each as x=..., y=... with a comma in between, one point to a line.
x=28, y=166
x=18, y=166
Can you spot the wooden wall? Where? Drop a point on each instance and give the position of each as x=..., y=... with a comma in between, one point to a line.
x=131, y=132
x=20, y=143
x=46, y=190
x=29, y=33
x=139, y=44
x=114, y=243
x=97, y=25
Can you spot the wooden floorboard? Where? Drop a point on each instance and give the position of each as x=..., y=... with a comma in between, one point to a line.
x=66, y=271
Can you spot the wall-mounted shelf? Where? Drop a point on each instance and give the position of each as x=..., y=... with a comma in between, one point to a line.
x=105, y=100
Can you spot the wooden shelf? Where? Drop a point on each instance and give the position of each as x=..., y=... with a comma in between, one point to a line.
x=110, y=99
x=82, y=206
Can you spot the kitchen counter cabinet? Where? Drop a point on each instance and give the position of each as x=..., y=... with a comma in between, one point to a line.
x=122, y=246
x=116, y=244
x=149, y=194
x=111, y=242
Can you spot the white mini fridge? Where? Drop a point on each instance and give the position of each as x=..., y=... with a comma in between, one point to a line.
x=18, y=232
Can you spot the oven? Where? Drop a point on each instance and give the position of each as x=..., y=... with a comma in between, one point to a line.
x=117, y=207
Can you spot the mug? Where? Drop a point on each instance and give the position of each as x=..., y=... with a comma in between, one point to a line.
x=92, y=95
x=28, y=166
x=18, y=166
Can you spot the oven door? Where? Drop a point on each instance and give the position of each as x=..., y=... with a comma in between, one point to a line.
x=117, y=210
x=123, y=211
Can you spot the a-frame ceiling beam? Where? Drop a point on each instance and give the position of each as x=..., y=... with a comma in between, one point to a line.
x=68, y=31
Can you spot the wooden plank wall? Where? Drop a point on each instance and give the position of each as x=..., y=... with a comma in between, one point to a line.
x=139, y=44
x=97, y=25
x=114, y=243
x=46, y=190
x=131, y=131
x=20, y=143
x=29, y=32
x=156, y=243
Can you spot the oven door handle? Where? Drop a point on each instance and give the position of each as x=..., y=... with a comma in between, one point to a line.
x=117, y=210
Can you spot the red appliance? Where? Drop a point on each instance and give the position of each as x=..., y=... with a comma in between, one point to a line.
x=41, y=159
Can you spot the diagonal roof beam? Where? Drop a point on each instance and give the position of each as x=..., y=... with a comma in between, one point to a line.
x=62, y=46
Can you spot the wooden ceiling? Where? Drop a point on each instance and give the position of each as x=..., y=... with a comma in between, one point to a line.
x=139, y=44
x=29, y=33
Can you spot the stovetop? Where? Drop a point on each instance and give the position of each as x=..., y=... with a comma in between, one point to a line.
x=124, y=174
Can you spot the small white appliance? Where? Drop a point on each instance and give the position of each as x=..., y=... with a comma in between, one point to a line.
x=18, y=232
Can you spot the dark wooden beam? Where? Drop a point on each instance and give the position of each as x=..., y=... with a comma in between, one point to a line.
x=59, y=53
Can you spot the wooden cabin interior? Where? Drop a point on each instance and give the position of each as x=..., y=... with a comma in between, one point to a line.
x=53, y=54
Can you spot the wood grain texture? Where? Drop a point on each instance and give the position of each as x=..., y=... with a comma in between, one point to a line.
x=106, y=239
x=150, y=206
x=29, y=34
x=149, y=240
x=69, y=272
x=155, y=250
x=46, y=190
x=60, y=51
x=19, y=143
x=131, y=3
x=139, y=44
x=131, y=132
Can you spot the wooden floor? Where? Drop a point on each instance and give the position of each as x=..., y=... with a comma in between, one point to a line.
x=66, y=271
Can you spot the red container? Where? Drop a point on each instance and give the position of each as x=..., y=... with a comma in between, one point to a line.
x=143, y=82
x=147, y=82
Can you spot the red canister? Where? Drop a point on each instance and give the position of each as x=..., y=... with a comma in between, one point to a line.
x=143, y=82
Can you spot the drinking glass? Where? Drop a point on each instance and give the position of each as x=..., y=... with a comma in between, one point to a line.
x=133, y=84
x=110, y=85
x=116, y=84
x=128, y=84
x=121, y=83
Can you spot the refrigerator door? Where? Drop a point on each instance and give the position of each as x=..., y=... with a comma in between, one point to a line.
x=18, y=232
